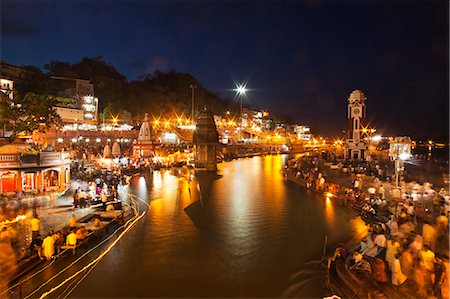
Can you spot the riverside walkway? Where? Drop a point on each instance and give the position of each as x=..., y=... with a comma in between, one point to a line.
x=401, y=206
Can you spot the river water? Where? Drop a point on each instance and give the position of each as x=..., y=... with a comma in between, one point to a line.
x=252, y=234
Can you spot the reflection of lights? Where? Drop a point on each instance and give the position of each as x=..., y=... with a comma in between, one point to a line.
x=359, y=227
x=93, y=263
x=329, y=211
x=7, y=222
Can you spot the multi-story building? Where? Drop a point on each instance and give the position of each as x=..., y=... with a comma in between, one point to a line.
x=303, y=132
x=7, y=87
x=13, y=72
x=76, y=94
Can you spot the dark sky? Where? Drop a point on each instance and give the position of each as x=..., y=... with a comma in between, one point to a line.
x=301, y=58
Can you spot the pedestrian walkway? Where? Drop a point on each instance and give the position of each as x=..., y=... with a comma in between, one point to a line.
x=53, y=218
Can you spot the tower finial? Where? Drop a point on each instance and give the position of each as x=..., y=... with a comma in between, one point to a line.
x=146, y=117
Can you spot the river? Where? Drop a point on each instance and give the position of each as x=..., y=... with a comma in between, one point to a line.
x=253, y=234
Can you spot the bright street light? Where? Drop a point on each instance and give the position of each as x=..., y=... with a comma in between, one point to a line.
x=241, y=90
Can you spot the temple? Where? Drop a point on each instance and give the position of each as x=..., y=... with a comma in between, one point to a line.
x=206, y=140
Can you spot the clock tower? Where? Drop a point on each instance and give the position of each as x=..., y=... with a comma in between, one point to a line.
x=356, y=147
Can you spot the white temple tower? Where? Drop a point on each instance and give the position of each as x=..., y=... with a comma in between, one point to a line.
x=356, y=147
x=144, y=147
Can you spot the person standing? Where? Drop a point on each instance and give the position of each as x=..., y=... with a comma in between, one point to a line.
x=75, y=199
x=391, y=252
x=104, y=198
x=35, y=226
x=427, y=260
x=52, y=199
x=398, y=278
x=429, y=234
x=439, y=276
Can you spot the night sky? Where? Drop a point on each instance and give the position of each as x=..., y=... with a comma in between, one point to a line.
x=301, y=58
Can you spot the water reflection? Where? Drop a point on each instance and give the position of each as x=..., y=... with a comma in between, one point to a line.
x=329, y=211
x=254, y=231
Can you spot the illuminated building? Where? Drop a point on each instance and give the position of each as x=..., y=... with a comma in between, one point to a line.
x=22, y=169
x=7, y=87
x=76, y=101
x=303, y=132
x=145, y=145
x=356, y=147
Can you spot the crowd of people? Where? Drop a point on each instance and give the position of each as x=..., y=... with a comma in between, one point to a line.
x=50, y=247
x=408, y=241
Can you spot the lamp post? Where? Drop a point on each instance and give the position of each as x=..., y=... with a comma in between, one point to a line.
x=399, y=151
x=241, y=90
x=193, y=107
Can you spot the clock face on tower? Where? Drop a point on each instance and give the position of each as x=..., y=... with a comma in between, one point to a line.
x=356, y=112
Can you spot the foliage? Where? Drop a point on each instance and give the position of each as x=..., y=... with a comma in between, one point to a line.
x=157, y=93
x=30, y=113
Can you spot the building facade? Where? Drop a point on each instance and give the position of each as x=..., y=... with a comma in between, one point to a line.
x=76, y=94
x=303, y=133
x=355, y=146
x=22, y=169
x=145, y=145
x=7, y=87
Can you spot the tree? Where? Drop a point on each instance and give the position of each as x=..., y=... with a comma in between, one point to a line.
x=57, y=68
x=11, y=116
x=30, y=113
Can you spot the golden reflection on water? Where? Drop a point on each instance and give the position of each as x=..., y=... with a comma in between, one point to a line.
x=329, y=211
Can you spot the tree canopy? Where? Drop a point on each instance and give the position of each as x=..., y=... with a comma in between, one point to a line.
x=31, y=113
x=157, y=93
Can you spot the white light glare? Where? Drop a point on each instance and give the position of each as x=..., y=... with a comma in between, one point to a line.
x=241, y=89
x=404, y=156
x=376, y=138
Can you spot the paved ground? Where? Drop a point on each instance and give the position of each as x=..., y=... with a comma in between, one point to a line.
x=52, y=218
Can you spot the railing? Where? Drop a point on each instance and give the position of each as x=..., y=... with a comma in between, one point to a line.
x=8, y=161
